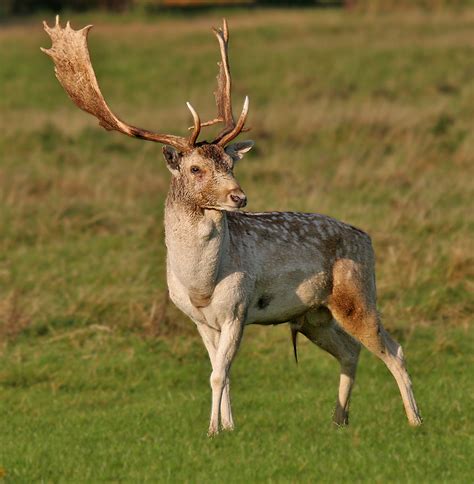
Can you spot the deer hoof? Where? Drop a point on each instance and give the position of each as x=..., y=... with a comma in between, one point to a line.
x=212, y=432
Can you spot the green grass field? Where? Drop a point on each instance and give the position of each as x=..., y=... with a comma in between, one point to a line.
x=367, y=118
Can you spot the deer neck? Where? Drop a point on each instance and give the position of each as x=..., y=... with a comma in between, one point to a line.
x=196, y=240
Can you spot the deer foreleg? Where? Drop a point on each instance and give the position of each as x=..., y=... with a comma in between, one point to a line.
x=229, y=341
x=210, y=337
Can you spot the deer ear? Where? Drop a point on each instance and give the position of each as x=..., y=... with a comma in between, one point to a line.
x=172, y=158
x=237, y=150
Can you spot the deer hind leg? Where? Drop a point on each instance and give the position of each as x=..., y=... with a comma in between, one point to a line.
x=210, y=338
x=320, y=328
x=352, y=303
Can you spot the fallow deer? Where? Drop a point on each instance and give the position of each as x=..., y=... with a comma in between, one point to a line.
x=227, y=268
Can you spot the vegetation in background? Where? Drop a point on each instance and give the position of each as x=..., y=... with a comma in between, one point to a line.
x=365, y=118
x=22, y=7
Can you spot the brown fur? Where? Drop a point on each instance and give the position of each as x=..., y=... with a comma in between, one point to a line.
x=217, y=155
x=347, y=305
x=352, y=303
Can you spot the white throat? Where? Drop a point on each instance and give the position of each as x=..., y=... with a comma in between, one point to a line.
x=195, y=246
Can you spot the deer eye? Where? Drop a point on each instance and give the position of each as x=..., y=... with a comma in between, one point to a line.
x=195, y=170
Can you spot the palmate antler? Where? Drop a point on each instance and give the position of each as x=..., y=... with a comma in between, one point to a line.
x=74, y=71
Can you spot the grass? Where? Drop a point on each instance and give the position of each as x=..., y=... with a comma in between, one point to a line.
x=97, y=406
x=366, y=118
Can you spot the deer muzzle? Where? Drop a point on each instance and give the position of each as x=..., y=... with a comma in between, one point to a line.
x=237, y=198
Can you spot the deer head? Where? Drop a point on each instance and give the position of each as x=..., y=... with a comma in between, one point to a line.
x=202, y=172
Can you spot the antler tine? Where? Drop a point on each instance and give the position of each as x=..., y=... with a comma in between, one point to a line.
x=239, y=127
x=197, y=125
x=223, y=93
x=74, y=71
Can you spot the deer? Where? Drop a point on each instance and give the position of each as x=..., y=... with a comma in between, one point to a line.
x=228, y=268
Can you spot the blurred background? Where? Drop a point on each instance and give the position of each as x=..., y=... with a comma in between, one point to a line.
x=29, y=6
x=361, y=110
x=15, y=7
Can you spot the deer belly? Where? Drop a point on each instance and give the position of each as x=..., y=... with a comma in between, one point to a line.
x=280, y=303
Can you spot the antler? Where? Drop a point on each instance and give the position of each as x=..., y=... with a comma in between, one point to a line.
x=223, y=94
x=74, y=71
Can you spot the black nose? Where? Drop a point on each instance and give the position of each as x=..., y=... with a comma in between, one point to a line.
x=239, y=200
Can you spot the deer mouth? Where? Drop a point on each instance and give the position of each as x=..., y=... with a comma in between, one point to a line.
x=233, y=202
x=239, y=199
x=223, y=208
